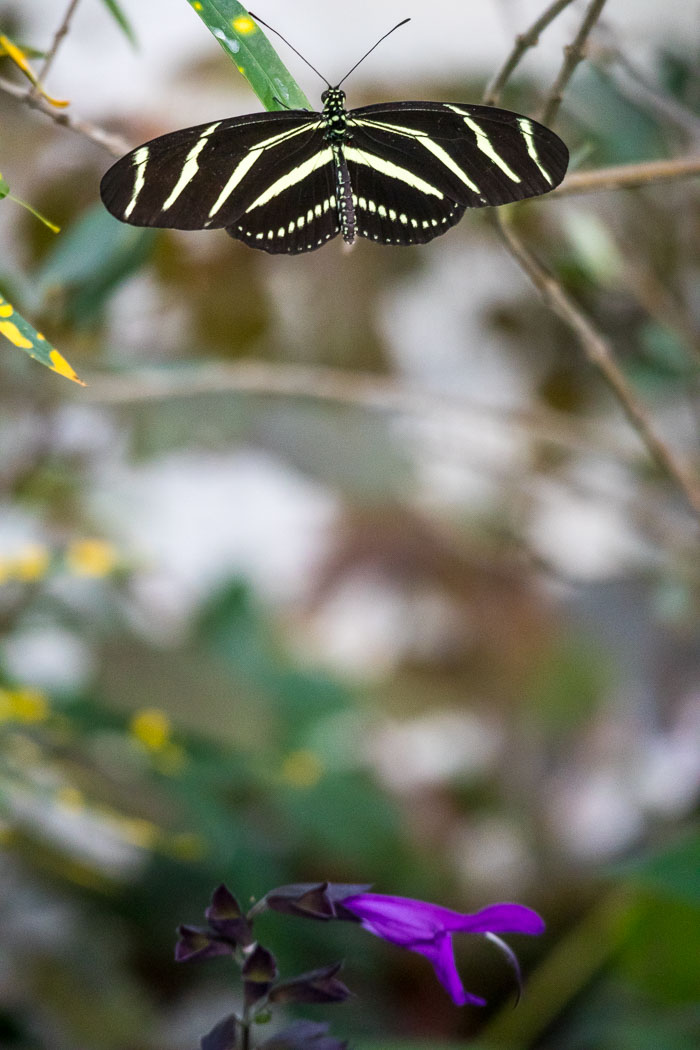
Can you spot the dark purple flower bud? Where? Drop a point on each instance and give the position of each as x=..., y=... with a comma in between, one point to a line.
x=303, y=1035
x=428, y=928
x=222, y=1035
x=196, y=943
x=316, y=986
x=228, y=930
x=259, y=971
x=226, y=918
x=312, y=900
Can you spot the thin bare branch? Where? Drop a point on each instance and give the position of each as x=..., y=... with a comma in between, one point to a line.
x=371, y=392
x=627, y=176
x=599, y=353
x=530, y=38
x=114, y=144
x=59, y=35
x=573, y=54
x=633, y=83
x=334, y=385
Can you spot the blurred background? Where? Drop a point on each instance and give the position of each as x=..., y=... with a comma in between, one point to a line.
x=265, y=618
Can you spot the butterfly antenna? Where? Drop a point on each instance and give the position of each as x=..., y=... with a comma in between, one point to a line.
x=397, y=26
x=291, y=46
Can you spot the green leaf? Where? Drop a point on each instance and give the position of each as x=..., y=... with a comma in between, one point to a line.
x=122, y=21
x=90, y=260
x=21, y=334
x=661, y=954
x=246, y=44
x=671, y=872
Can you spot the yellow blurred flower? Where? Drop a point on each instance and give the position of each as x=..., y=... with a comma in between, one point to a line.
x=31, y=563
x=70, y=797
x=24, y=705
x=152, y=728
x=5, y=705
x=91, y=557
x=187, y=846
x=141, y=833
x=302, y=769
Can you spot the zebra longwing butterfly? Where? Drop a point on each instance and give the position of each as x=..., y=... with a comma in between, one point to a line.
x=288, y=181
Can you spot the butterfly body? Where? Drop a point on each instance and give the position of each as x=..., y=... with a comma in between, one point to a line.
x=287, y=182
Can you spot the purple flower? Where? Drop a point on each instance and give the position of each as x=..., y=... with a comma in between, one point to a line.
x=428, y=929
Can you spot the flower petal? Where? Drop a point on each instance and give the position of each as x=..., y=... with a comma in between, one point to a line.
x=440, y=952
x=399, y=919
x=498, y=918
x=428, y=928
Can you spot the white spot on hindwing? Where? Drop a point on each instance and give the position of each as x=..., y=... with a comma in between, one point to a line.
x=395, y=171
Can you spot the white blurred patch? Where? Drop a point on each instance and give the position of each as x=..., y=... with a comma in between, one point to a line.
x=197, y=519
x=596, y=815
x=492, y=855
x=47, y=657
x=436, y=748
x=670, y=773
x=97, y=839
x=370, y=624
x=583, y=526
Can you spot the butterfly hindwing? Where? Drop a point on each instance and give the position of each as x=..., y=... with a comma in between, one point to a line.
x=296, y=211
x=394, y=204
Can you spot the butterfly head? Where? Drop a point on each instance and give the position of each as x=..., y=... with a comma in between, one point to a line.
x=333, y=98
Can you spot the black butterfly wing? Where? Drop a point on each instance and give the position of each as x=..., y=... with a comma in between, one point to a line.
x=423, y=163
x=394, y=201
x=295, y=211
x=236, y=173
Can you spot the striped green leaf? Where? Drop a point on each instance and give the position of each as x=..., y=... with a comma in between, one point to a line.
x=246, y=44
x=21, y=334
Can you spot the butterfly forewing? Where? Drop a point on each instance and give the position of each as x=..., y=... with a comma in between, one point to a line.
x=473, y=155
x=206, y=176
